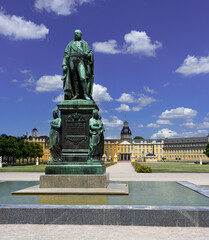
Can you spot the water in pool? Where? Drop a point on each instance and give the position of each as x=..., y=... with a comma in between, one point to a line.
x=140, y=193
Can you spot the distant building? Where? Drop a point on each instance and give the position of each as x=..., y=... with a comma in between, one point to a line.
x=188, y=149
x=153, y=150
x=125, y=132
x=35, y=132
x=44, y=141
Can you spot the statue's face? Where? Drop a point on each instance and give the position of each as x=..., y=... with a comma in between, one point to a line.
x=78, y=34
x=95, y=113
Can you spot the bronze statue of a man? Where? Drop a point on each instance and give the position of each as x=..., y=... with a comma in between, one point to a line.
x=78, y=69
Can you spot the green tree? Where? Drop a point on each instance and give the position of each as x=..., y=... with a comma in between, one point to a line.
x=36, y=150
x=138, y=137
x=206, y=151
x=8, y=146
x=3, y=144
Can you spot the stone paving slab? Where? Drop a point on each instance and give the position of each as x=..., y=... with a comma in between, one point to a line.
x=121, y=172
x=112, y=189
x=202, y=190
x=92, y=232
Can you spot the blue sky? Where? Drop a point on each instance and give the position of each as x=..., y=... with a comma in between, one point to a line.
x=151, y=63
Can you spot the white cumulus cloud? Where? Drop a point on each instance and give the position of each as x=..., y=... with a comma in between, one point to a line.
x=113, y=123
x=109, y=47
x=123, y=108
x=207, y=117
x=139, y=43
x=153, y=125
x=189, y=124
x=179, y=113
x=142, y=102
x=49, y=83
x=164, y=133
x=18, y=28
x=149, y=90
x=60, y=7
x=193, y=65
x=203, y=125
x=100, y=94
x=135, y=42
x=126, y=98
x=59, y=98
x=164, y=122
x=140, y=125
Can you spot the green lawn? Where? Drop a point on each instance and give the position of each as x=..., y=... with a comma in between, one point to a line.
x=156, y=167
x=177, y=167
x=31, y=168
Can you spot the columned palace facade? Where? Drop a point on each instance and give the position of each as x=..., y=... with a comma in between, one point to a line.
x=145, y=150
x=153, y=150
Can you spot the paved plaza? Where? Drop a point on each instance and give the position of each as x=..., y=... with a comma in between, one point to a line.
x=123, y=171
x=119, y=172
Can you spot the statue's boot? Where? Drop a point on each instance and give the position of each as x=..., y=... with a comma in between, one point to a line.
x=86, y=97
x=84, y=91
x=75, y=97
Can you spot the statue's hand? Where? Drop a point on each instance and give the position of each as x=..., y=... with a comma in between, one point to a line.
x=64, y=68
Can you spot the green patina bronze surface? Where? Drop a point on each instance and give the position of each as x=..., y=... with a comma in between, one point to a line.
x=77, y=138
x=54, y=137
x=78, y=69
x=96, y=142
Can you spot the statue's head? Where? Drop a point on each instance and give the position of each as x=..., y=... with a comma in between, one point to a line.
x=95, y=113
x=56, y=113
x=77, y=34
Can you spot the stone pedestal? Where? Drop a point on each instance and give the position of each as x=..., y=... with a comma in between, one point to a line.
x=95, y=167
x=75, y=115
x=74, y=181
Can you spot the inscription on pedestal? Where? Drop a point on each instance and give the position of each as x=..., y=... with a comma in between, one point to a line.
x=76, y=128
x=75, y=139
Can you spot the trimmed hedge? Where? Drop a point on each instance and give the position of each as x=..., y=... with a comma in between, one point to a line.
x=141, y=168
x=17, y=164
x=109, y=164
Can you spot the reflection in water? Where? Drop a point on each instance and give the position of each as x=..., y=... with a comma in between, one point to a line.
x=140, y=193
x=74, y=199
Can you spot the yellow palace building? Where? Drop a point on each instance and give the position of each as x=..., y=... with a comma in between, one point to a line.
x=144, y=150
x=44, y=141
x=153, y=150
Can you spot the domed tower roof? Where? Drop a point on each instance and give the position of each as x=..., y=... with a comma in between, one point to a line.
x=126, y=132
x=35, y=132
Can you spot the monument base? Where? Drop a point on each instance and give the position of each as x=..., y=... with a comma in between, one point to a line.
x=74, y=198
x=78, y=168
x=74, y=181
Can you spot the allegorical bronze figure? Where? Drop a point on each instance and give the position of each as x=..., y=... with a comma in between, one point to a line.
x=54, y=137
x=96, y=141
